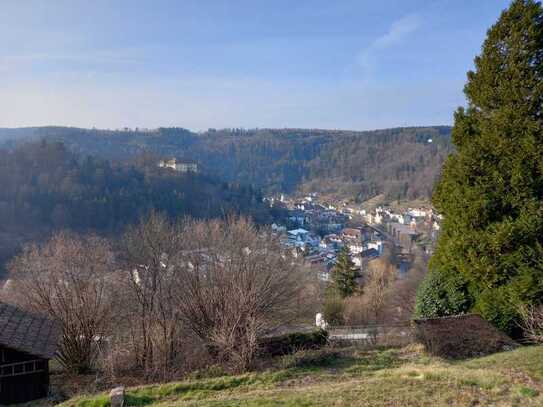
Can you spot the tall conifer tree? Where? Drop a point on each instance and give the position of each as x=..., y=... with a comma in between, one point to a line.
x=491, y=188
x=344, y=276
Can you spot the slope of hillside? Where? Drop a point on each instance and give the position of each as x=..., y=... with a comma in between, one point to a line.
x=46, y=187
x=396, y=377
x=401, y=163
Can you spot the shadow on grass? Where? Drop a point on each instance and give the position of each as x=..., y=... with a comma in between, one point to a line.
x=373, y=362
x=307, y=363
x=334, y=361
x=195, y=390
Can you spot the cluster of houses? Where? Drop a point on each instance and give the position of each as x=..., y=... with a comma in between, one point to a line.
x=364, y=244
x=406, y=227
x=318, y=231
x=411, y=217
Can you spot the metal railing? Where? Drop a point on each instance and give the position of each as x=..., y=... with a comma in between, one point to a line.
x=398, y=332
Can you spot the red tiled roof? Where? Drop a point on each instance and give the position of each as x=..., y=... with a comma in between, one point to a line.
x=352, y=232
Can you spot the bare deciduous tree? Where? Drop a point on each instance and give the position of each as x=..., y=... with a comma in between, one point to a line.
x=151, y=251
x=370, y=306
x=237, y=284
x=403, y=293
x=68, y=278
x=381, y=275
x=226, y=282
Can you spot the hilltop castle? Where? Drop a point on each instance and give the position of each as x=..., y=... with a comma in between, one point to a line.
x=179, y=166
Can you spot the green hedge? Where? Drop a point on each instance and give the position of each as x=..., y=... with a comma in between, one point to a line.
x=442, y=294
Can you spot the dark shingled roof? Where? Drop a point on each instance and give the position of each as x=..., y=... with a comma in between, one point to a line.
x=28, y=332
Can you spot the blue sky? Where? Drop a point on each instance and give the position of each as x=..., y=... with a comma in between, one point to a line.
x=213, y=63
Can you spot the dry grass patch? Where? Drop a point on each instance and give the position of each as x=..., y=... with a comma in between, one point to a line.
x=394, y=377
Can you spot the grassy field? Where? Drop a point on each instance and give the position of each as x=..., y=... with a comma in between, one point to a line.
x=394, y=377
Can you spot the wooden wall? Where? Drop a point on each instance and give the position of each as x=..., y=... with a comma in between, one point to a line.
x=23, y=377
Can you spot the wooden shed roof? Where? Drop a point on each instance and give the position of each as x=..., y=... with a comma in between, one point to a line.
x=28, y=332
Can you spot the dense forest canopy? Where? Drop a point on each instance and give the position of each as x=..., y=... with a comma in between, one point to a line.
x=401, y=163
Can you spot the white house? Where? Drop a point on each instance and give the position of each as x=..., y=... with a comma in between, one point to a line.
x=397, y=217
x=377, y=245
x=417, y=213
x=374, y=219
x=355, y=247
x=357, y=260
x=298, y=234
x=301, y=237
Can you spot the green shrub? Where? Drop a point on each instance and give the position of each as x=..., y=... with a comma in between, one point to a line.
x=498, y=306
x=442, y=294
x=528, y=392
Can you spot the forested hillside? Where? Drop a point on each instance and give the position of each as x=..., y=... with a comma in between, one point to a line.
x=402, y=162
x=47, y=187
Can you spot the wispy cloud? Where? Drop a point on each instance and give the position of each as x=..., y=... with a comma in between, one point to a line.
x=397, y=32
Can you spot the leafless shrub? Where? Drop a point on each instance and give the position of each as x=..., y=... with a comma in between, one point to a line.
x=532, y=322
x=381, y=274
x=385, y=297
x=380, y=277
x=115, y=359
x=236, y=285
x=401, y=297
x=151, y=259
x=368, y=306
x=224, y=282
x=356, y=311
x=175, y=290
x=334, y=308
x=69, y=278
x=310, y=296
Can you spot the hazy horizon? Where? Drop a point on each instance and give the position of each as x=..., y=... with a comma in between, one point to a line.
x=143, y=129
x=353, y=65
